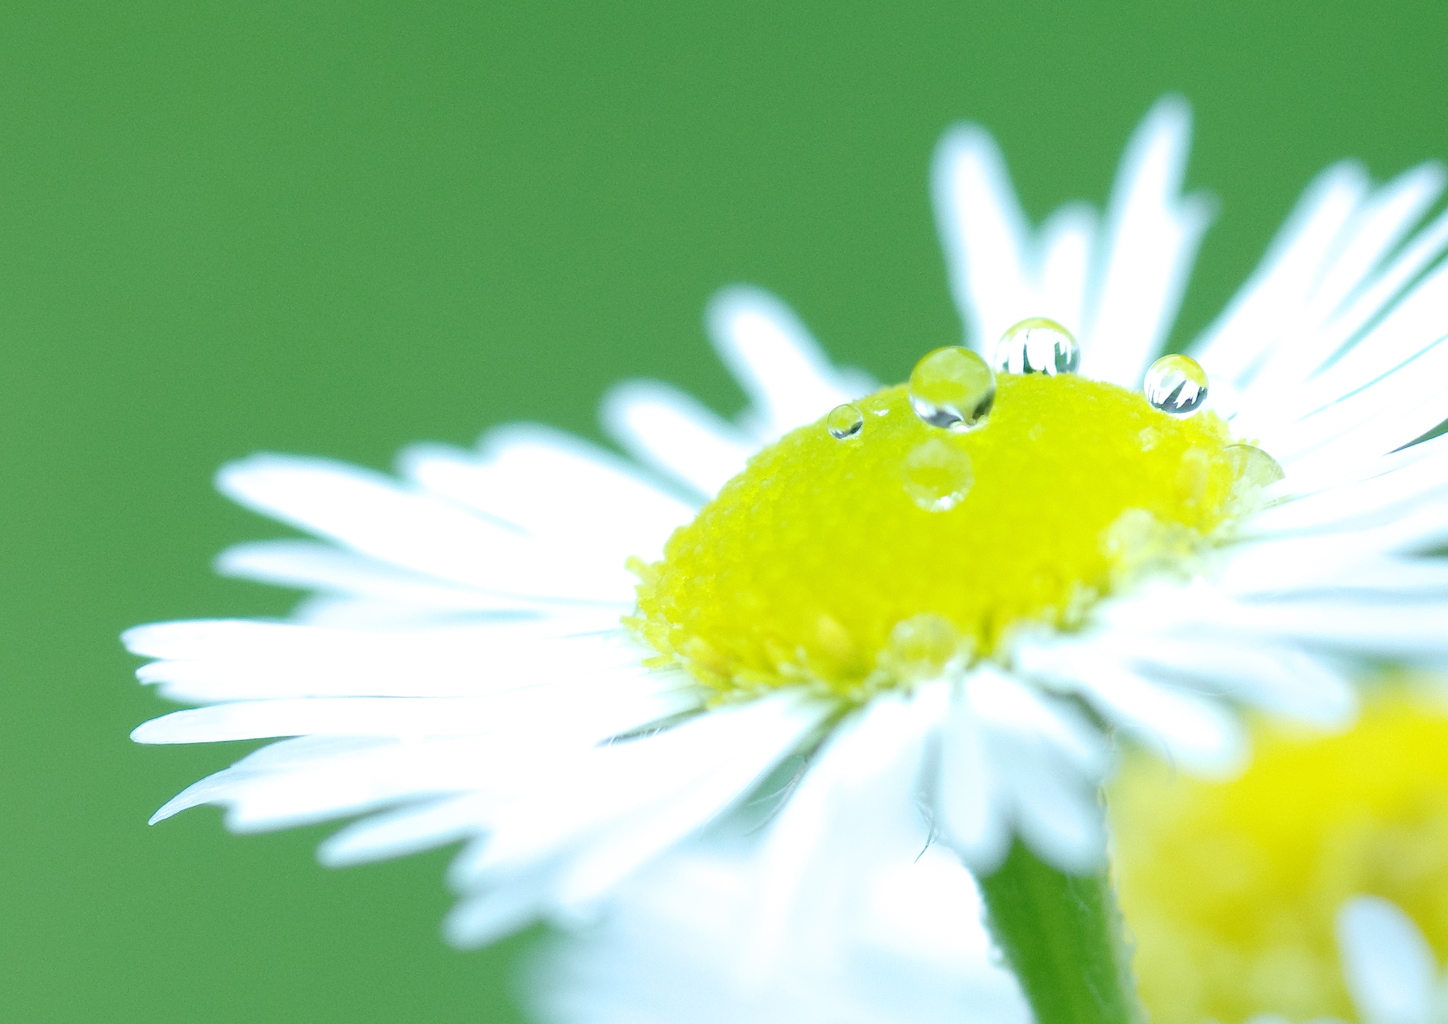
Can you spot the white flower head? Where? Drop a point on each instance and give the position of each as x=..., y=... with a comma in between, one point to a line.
x=478, y=665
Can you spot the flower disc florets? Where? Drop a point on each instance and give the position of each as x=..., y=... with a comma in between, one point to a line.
x=856, y=564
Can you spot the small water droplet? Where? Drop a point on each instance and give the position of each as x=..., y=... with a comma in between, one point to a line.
x=1176, y=385
x=1148, y=438
x=952, y=387
x=1037, y=345
x=938, y=475
x=1036, y=432
x=921, y=647
x=844, y=421
x=1253, y=466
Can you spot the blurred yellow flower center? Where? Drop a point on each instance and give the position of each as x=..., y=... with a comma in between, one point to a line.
x=854, y=560
x=1230, y=889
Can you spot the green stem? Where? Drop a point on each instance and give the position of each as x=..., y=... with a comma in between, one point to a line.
x=1062, y=936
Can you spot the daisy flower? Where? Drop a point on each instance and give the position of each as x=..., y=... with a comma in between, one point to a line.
x=950, y=594
x=1240, y=893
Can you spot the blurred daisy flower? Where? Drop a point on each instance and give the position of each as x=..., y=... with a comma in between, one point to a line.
x=1240, y=894
x=947, y=595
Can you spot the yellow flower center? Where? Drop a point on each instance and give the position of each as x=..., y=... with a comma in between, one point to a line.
x=1230, y=889
x=856, y=558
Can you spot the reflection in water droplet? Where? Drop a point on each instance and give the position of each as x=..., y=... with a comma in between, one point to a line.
x=1037, y=345
x=938, y=475
x=844, y=421
x=952, y=387
x=1253, y=466
x=1176, y=384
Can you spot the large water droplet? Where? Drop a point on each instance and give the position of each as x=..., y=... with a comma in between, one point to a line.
x=844, y=421
x=952, y=387
x=938, y=475
x=1254, y=467
x=1176, y=384
x=1037, y=345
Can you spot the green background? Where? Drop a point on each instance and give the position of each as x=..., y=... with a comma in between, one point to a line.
x=335, y=228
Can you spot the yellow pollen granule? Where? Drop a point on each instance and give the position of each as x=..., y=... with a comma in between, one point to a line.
x=1230, y=889
x=815, y=564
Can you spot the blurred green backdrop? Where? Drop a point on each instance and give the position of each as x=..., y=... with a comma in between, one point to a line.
x=339, y=227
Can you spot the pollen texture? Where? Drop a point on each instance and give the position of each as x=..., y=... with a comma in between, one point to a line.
x=826, y=561
x=1230, y=889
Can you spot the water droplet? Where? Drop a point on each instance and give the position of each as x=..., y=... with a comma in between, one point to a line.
x=1253, y=466
x=921, y=646
x=1148, y=438
x=844, y=421
x=952, y=387
x=1176, y=384
x=938, y=475
x=1037, y=345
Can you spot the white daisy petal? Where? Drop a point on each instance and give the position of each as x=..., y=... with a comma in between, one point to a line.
x=538, y=479
x=1357, y=427
x=780, y=366
x=1012, y=759
x=1376, y=578
x=1150, y=240
x=413, y=829
x=1405, y=631
x=972, y=806
x=1358, y=501
x=261, y=797
x=1234, y=345
x=984, y=233
x=910, y=948
x=1329, y=318
x=613, y=707
x=1278, y=678
x=1188, y=728
x=666, y=429
x=372, y=515
x=1298, y=561
x=1058, y=816
x=1390, y=971
x=1067, y=240
x=584, y=826
x=312, y=565
x=856, y=803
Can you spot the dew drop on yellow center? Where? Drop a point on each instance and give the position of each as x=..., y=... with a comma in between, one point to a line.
x=828, y=557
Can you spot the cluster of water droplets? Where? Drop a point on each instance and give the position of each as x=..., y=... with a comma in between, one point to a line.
x=954, y=388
